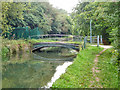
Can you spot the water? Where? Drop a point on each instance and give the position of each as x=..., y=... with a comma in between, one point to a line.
x=59, y=71
x=35, y=70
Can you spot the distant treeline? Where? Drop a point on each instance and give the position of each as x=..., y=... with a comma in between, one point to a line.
x=104, y=16
x=35, y=14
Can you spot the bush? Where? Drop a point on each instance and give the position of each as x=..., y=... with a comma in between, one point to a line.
x=5, y=51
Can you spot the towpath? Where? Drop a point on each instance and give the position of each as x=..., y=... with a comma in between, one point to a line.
x=95, y=68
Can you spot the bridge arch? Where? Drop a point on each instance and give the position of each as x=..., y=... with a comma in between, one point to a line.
x=38, y=46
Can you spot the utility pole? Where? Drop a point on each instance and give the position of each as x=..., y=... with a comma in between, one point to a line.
x=90, y=31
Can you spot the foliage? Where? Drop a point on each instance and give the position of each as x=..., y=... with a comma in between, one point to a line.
x=11, y=11
x=10, y=47
x=104, y=16
x=105, y=22
x=35, y=14
x=5, y=51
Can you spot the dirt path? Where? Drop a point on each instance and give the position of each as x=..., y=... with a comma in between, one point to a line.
x=95, y=69
x=104, y=46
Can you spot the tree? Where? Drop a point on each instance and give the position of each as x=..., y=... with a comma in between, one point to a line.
x=100, y=14
x=105, y=16
x=35, y=14
x=11, y=11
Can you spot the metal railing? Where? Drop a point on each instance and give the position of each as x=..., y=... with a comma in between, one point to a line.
x=95, y=39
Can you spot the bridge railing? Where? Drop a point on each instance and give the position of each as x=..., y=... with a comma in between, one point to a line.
x=83, y=40
x=56, y=37
x=63, y=37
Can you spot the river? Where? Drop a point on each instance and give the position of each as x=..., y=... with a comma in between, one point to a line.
x=35, y=70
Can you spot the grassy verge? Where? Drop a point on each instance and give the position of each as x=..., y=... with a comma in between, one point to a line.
x=11, y=47
x=79, y=74
x=40, y=40
x=108, y=70
x=46, y=40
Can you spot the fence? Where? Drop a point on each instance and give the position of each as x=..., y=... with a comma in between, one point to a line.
x=23, y=33
x=62, y=37
x=94, y=39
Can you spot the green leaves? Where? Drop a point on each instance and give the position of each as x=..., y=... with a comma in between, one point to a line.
x=104, y=16
x=11, y=11
x=35, y=14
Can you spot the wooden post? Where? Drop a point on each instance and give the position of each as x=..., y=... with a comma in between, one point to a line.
x=82, y=47
x=98, y=41
x=85, y=42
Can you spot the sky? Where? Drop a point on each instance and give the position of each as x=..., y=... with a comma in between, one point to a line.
x=64, y=4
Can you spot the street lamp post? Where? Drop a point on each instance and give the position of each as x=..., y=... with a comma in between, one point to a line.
x=90, y=31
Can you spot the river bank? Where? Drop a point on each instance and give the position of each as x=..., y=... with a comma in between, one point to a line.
x=31, y=68
x=11, y=47
x=80, y=75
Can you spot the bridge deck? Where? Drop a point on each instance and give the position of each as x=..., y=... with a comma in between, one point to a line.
x=55, y=44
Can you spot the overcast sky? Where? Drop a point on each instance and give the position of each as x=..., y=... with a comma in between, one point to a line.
x=64, y=4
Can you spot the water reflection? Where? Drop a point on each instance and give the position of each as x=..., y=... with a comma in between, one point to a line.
x=33, y=71
x=32, y=74
x=54, y=53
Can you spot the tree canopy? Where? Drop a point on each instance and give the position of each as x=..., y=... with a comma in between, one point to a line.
x=104, y=16
x=35, y=14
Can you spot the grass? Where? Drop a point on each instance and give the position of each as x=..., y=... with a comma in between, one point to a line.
x=39, y=40
x=79, y=74
x=46, y=40
x=108, y=71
